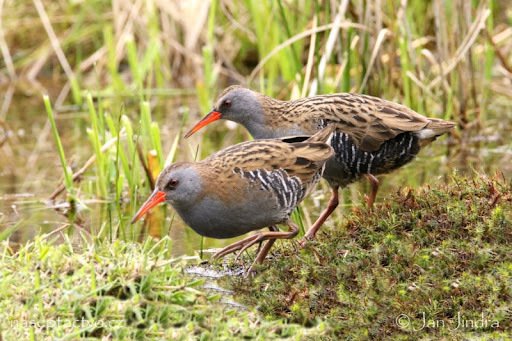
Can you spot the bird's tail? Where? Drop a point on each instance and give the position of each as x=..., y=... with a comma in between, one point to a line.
x=436, y=127
x=322, y=135
x=315, y=147
x=440, y=126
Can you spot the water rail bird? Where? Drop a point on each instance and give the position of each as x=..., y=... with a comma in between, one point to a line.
x=244, y=187
x=373, y=136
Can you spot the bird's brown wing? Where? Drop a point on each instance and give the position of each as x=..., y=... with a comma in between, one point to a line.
x=370, y=121
x=301, y=159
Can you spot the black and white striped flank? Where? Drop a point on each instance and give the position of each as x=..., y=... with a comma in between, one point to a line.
x=391, y=155
x=288, y=190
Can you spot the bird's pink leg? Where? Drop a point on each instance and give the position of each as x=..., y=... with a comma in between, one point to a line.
x=374, y=183
x=256, y=238
x=331, y=206
x=262, y=251
x=260, y=257
x=236, y=246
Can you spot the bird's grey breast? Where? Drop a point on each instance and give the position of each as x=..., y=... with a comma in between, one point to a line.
x=215, y=218
x=268, y=198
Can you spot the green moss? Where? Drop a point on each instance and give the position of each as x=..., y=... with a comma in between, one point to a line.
x=425, y=258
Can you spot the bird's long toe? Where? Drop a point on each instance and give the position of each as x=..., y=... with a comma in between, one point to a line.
x=305, y=240
x=249, y=244
x=240, y=245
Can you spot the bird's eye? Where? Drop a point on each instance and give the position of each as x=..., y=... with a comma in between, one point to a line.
x=172, y=184
x=227, y=103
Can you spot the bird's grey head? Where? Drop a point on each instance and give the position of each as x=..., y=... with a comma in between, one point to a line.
x=181, y=184
x=236, y=104
x=178, y=184
x=239, y=104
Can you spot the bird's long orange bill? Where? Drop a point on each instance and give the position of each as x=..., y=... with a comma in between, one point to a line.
x=156, y=198
x=212, y=116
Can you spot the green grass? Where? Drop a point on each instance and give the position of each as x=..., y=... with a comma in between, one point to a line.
x=437, y=251
x=68, y=181
x=118, y=291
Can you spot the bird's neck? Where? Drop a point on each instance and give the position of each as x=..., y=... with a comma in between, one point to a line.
x=274, y=121
x=259, y=130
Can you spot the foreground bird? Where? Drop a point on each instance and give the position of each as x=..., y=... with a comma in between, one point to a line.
x=373, y=136
x=243, y=188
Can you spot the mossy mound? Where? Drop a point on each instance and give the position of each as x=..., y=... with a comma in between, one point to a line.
x=431, y=261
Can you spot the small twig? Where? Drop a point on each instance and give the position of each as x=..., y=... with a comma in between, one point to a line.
x=236, y=24
x=381, y=37
x=311, y=57
x=8, y=95
x=78, y=224
x=140, y=153
x=61, y=56
x=84, y=168
x=5, y=49
x=500, y=55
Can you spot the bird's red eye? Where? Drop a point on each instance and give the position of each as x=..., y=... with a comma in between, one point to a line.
x=227, y=103
x=172, y=184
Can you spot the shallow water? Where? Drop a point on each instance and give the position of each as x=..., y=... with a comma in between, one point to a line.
x=30, y=169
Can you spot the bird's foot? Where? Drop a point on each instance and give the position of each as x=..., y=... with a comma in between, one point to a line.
x=369, y=201
x=342, y=253
x=251, y=272
x=241, y=245
x=374, y=184
x=306, y=239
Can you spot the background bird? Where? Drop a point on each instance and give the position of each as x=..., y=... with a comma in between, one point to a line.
x=243, y=188
x=373, y=136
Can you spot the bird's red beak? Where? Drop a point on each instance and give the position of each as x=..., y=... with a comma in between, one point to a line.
x=212, y=116
x=156, y=198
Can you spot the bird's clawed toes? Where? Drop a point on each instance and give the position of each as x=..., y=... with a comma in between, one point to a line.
x=305, y=240
x=251, y=271
x=246, y=243
x=241, y=245
x=369, y=201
